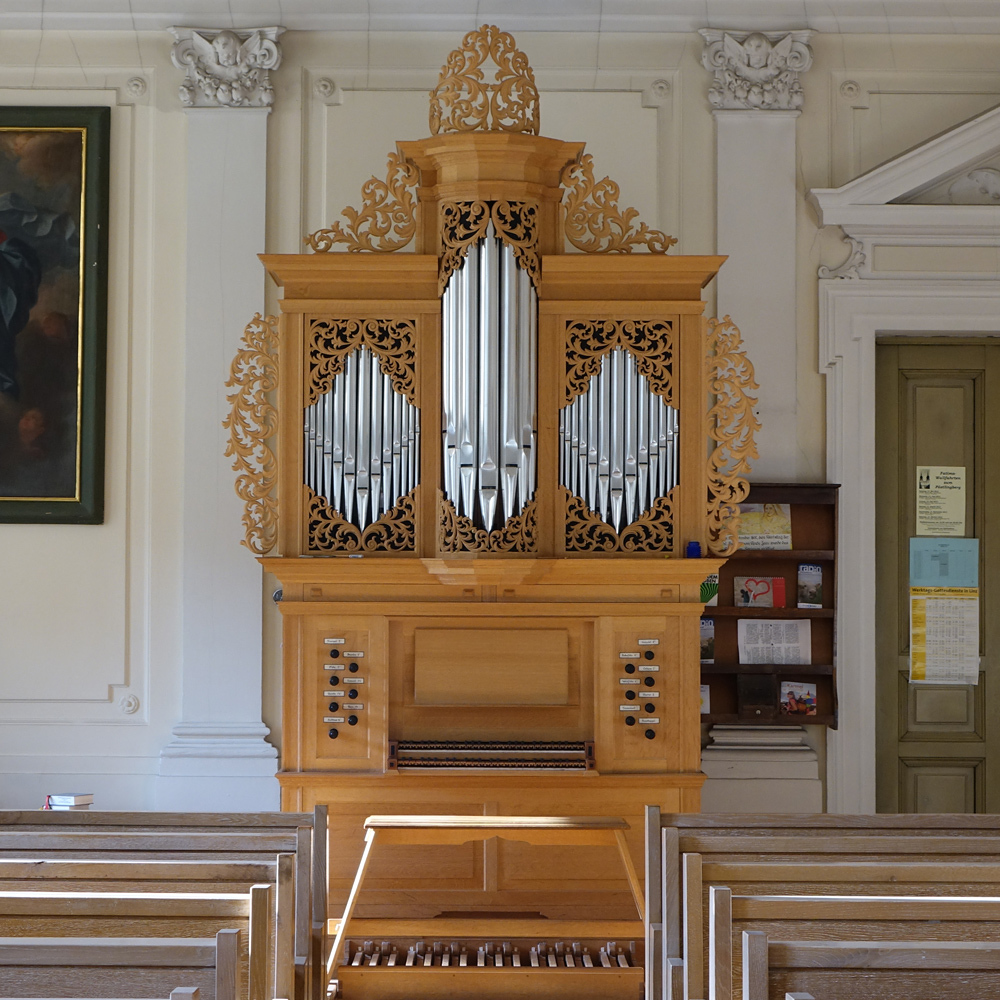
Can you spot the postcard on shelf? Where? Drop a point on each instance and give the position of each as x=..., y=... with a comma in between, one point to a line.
x=706, y=701
x=810, y=586
x=765, y=526
x=710, y=590
x=798, y=698
x=707, y=640
x=759, y=591
x=774, y=640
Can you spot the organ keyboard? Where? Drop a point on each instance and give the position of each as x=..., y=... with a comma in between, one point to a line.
x=526, y=755
x=516, y=967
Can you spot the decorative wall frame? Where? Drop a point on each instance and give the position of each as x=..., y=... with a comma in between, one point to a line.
x=53, y=318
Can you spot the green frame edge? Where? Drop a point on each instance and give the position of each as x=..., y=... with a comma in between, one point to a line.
x=89, y=509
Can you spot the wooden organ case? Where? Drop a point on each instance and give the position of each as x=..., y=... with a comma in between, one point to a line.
x=491, y=453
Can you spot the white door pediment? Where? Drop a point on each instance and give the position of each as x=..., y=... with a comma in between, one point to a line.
x=944, y=193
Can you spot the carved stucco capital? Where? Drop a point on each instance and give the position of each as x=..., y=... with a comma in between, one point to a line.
x=226, y=69
x=756, y=70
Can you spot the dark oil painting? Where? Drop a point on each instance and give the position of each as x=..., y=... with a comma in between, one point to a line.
x=53, y=293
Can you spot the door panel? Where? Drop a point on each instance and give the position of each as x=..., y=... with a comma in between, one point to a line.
x=936, y=404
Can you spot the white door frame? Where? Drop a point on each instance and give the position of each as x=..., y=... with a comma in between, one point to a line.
x=852, y=315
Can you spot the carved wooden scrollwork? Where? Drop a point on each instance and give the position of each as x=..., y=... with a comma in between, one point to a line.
x=650, y=341
x=329, y=531
x=387, y=218
x=464, y=223
x=732, y=425
x=457, y=533
x=587, y=531
x=329, y=341
x=464, y=102
x=593, y=221
x=251, y=422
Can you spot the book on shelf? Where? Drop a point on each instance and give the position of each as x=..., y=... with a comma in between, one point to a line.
x=809, y=586
x=765, y=526
x=710, y=590
x=69, y=800
x=759, y=591
x=706, y=700
x=707, y=635
x=798, y=698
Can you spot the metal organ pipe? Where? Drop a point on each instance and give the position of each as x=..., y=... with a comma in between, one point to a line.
x=489, y=343
x=362, y=441
x=619, y=442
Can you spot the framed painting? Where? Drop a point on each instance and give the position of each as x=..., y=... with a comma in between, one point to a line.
x=53, y=313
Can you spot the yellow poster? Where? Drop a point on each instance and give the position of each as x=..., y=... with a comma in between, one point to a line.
x=944, y=635
x=940, y=500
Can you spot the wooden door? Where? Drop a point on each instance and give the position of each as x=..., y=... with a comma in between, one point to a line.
x=938, y=404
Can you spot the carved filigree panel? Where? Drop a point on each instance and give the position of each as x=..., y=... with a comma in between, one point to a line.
x=252, y=421
x=732, y=425
x=651, y=342
x=329, y=531
x=464, y=223
x=594, y=223
x=457, y=533
x=587, y=531
x=329, y=341
x=387, y=218
x=464, y=102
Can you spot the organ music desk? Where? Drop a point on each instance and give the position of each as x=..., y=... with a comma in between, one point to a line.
x=490, y=457
x=515, y=963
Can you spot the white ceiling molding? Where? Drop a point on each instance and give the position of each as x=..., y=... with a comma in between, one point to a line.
x=944, y=17
x=888, y=206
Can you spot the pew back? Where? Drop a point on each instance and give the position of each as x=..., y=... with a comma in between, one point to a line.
x=885, y=970
x=249, y=838
x=838, y=918
x=192, y=969
x=138, y=916
x=738, y=839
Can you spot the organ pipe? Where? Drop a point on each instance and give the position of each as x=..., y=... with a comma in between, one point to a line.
x=618, y=442
x=489, y=343
x=362, y=442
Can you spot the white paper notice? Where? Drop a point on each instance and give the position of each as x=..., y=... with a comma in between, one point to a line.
x=944, y=635
x=940, y=500
x=782, y=641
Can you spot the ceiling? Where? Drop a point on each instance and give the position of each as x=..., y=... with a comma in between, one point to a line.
x=944, y=17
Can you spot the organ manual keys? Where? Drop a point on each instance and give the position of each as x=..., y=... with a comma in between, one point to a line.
x=475, y=466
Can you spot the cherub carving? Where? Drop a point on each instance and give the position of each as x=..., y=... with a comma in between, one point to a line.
x=225, y=70
x=758, y=59
x=756, y=71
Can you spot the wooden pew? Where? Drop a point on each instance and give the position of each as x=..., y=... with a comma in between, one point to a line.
x=876, y=970
x=905, y=878
x=68, y=915
x=839, y=918
x=207, y=968
x=746, y=839
x=308, y=840
x=174, y=877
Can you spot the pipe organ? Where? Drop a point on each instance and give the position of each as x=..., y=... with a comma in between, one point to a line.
x=475, y=465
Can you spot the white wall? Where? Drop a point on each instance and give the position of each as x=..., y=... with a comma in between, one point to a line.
x=92, y=615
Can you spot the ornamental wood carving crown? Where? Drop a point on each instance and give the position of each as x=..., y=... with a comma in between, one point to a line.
x=464, y=102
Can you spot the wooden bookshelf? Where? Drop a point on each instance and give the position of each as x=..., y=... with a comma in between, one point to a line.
x=743, y=693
